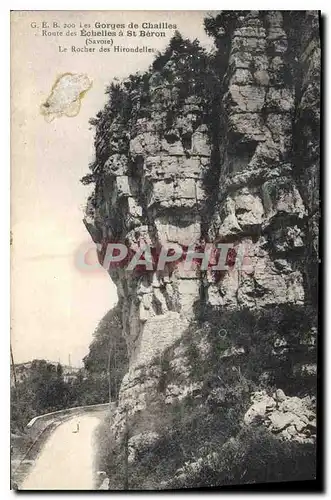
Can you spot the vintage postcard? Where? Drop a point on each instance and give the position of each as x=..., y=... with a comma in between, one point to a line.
x=165, y=217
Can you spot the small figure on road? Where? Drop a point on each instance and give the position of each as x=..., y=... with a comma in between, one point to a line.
x=77, y=428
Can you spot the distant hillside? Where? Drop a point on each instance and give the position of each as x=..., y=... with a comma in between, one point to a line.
x=22, y=370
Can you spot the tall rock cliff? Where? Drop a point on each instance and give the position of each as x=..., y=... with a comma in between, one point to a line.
x=205, y=149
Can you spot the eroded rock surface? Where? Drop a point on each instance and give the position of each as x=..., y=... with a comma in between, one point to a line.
x=290, y=418
x=207, y=150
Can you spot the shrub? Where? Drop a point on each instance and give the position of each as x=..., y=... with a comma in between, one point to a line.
x=254, y=456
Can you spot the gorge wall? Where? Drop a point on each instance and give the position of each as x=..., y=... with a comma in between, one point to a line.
x=206, y=149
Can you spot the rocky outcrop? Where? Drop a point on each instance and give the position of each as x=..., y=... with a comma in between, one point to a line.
x=216, y=149
x=291, y=418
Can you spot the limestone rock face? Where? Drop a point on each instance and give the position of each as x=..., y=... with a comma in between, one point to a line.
x=228, y=156
x=290, y=418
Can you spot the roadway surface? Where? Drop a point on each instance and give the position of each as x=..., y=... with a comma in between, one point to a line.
x=66, y=459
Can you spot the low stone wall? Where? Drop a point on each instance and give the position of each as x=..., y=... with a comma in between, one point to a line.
x=37, y=432
x=38, y=424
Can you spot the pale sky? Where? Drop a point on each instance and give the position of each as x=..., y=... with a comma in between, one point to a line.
x=56, y=306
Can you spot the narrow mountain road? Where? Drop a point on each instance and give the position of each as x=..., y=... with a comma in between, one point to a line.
x=66, y=460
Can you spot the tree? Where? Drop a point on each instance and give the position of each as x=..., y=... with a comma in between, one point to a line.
x=43, y=390
x=107, y=358
x=59, y=370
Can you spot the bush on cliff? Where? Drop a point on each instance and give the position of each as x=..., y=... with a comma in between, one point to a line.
x=253, y=456
x=205, y=428
x=41, y=390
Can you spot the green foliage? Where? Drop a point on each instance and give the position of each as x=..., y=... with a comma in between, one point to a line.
x=222, y=450
x=87, y=179
x=258, y=333
x=104, y=365
x=102, y=443
x=211, y=423
x=207, y=426
x=184, y=68
x=253, y=456
x=89, y=389
x=107, y=358
x=42, y=391
x=187, y=70
x=223, y=24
